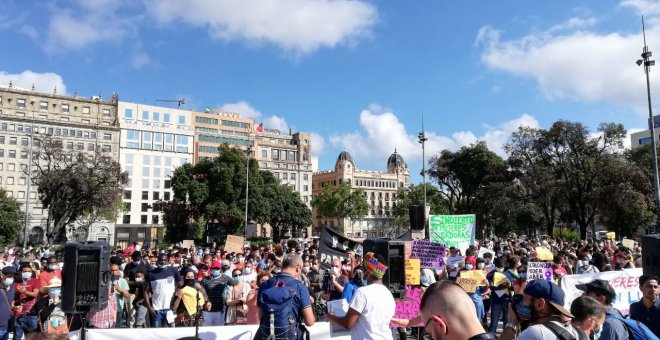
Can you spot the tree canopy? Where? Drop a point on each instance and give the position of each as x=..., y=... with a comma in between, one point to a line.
x=340, y=202
x=10, y=218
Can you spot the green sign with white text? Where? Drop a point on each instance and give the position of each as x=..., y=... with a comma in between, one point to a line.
x=452, y=230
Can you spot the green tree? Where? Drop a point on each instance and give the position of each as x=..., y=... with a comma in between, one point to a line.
x=286, y=210
x=74, y=184
x=414, y=196
x=10, y=217
x=341, y=202
x=470, y=179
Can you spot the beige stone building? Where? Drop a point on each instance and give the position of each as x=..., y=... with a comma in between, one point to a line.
x=380, y=189
x=83, y=124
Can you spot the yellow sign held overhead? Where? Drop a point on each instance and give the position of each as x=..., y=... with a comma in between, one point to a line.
x=544, y=254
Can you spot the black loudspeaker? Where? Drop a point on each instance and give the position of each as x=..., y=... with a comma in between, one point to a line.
x=651, y=254
x=85, y=277
x=393, y=252
x=416, y=216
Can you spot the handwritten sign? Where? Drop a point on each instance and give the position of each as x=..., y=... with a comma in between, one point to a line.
x=430, y=254
x=499, y=279
x=469, y=285
x=539, y=271
x=628, y=243
x=234, y=244
x=188, y=243
x=408, y=307
x=452, y=230
x=477, y=275
x=611, y=235
x=413, y=272
x=544, y=254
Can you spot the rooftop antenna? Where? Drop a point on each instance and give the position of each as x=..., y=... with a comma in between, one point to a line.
x=178, y=102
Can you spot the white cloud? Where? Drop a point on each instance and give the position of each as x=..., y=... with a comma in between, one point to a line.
x=569, y=62
x=248, y=111
x=43, y=82
x=318, y=144
x=382, y=132
x=299, y=26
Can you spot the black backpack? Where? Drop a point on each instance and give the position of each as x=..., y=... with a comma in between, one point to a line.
x=562, y=333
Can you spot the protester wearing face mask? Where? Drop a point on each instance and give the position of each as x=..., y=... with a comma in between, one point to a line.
x=333, y=284
x=520, y=283
x=6, y=301
x=188, y=300
x=141, y=298
x=215, y=286
x=163, y=280
x=589, y=316
x=28, y=293
x=623, y=261
x=49, y=309
x=121, y=291
x=252, y=314
x=427, y=277
x=351, y=286
x=499, y=296
x=52, y=272
x=543, y=306
x=482, y=287
x=236, y=299
x=584, y=267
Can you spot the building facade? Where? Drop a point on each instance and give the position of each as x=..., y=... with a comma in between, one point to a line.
x=82, y=124
x=380, y=190
x=154, y=142
x=218, y=127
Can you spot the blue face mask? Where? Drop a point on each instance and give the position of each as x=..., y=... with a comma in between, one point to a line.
x=424, y=280
x=215, y=272
x=523, y=276
x=54, y=292
x=9, y=281
x=161, y=266
x=524, y=312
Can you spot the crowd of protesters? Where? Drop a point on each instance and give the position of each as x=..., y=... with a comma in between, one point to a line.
x=208, y=286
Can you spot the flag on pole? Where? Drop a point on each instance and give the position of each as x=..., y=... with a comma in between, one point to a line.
x=260, y=127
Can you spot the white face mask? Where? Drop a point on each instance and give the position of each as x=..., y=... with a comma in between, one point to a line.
x=480, y=265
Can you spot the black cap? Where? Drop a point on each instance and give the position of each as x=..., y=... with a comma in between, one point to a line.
x=9, y=270
x=599, y=286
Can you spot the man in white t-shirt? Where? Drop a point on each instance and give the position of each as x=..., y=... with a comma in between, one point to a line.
x=372, y=307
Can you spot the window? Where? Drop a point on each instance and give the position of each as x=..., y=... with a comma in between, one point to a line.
x=80, y=147
x=128, y=194
x=154, y=219
x=264, y=153
x=78, y=133
x=85, y=110
x=12, y=154
x=156, y=196
x=182, y=120
x=145, y=183
x=156, y=116
x=24, y=141
x=146, y=140
x=156, y=183
x=166, y=196
x=90, y=147
x=21, y=181
x=106, y=112
x=128, y=159
x=126, y=219
x=20, y=103
x=275, y=154
x=156, y=172
x=168, y=183
x=128, y=113
x=305, y=177
x=143, y=219
x=10, y=181
x=146, y=160
x=145, y=115
x=285, y=176
x=181, y=143
x=133, y=139
x=12, y=140
x=145, y=171
x=43, y=106
x=2, y=139
x=106, y=148
x=3, y=127
x=169, y=142
x=107, y=136
x=166, y=117
x=305, y=188
x=145, y=207
x=65, y=108
x=158, y=141
x=11, y=166
x=145, y=195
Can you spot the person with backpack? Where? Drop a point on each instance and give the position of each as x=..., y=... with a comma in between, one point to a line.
x=616, y=327
x=542, y=306
x=589, y=315
x=284, y=303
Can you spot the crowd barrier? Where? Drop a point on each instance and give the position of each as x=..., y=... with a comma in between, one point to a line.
x=320, y=330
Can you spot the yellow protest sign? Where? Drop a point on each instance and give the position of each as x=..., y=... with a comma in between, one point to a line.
x=611, y=235
x=477, y=275
x=469, y=285
x=499, y=279
x=544, y=254
x=413, y=271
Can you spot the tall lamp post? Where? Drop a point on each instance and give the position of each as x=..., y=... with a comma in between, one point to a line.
x=646, y=55
x=248, y=151
x=422, y=140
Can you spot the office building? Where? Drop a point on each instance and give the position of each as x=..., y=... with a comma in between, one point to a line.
x=154, y=142
x=82, y=124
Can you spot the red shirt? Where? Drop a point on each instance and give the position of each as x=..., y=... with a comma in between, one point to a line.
x=47, y=275
x=23, y=300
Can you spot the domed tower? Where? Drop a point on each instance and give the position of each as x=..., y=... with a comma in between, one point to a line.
x=396, y=163
x=345, y=166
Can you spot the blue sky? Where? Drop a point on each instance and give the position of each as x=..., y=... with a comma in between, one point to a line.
x=358, y=74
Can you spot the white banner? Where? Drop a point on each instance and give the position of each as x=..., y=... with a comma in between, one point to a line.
x=320, y=330
x=625, y=283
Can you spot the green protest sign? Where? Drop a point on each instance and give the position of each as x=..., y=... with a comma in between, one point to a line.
x=452, y=230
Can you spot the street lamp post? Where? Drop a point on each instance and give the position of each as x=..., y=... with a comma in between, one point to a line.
x=646, y=55
x=422, y=140
x=247, y=186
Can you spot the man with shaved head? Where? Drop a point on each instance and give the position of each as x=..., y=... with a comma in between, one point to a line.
x=448, y=314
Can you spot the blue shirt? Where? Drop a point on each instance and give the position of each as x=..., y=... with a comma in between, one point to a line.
x=5, y=306
x=613, y=329
x=648, y=316
x=302, y=299
x=349, y=290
